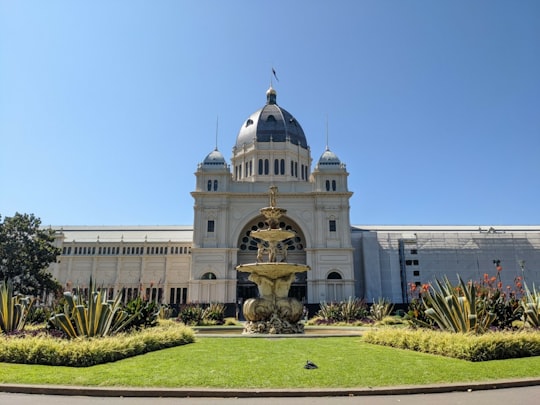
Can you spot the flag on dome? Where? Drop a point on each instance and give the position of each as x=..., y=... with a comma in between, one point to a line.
x=274, y=73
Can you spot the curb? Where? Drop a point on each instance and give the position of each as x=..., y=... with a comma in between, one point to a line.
x=254, y=393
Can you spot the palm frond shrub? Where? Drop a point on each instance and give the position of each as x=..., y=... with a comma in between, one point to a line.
x=14, y=309
x=457, y=309
x=531, y=307
x=94, y=317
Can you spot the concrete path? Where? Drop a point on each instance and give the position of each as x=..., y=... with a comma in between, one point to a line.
x=519, y=395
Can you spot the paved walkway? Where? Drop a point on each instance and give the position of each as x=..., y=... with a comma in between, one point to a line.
x=524, y=395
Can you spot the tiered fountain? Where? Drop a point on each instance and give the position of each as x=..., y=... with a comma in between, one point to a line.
x=273, y=312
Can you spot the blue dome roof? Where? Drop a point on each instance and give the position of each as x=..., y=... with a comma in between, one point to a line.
x=214, y=158
x=271, y=124
x=329, y=158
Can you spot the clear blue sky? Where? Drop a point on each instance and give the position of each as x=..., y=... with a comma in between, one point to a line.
x=107, y=107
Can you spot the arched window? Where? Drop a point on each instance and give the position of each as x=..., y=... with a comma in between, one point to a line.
x=266, y=166
x=209, y=185
x=208, y=276
x=333, y=185
x=282, y=166
x=334, y=275
x=327, y=185
x=215, y=185
x=276, y=166
x=260, y=166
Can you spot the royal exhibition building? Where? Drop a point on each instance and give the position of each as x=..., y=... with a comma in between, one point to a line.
x=197, y=263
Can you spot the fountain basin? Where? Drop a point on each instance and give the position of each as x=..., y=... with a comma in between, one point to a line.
x=274, y=235
x=273, y=271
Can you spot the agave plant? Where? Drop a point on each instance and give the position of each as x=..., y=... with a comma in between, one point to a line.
x=456, y=309
x=531, y=307
x=93, y=318
x=13, y=308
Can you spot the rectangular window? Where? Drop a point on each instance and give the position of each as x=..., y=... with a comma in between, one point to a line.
x=414, y=251
x=416, y=273
x=211, y=226
x=332, y=225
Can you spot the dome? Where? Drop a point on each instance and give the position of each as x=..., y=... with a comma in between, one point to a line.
x=214, y=159
x=328, y=159
x=271, y=124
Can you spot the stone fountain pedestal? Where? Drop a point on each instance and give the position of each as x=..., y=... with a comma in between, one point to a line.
x=273, y=312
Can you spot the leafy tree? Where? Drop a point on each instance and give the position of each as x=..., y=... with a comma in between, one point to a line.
x=26, y=251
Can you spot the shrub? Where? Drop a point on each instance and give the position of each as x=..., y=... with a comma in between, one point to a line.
x=214, y=313
x=490, y=346
x=95, y=317
x=13, y=308
x=348, y=312
x=191, y=314
x=142, y=314
x=457, y=309
x=505, y=305
x=46, y=350
x=380, y=309
x=531, y=308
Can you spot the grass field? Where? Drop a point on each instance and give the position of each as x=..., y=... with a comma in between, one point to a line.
x=275, y=363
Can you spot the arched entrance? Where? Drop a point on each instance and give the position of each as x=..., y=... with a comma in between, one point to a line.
x=247, y=253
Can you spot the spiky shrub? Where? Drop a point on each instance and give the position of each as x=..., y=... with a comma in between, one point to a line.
x=191, y=314
x=329, y=312
x=214, y=314
x=143, y=314
x=380, y=309
x=349, y=311
x=531, y=307
x=14, y=309
x=94, y=317
x=456, y=309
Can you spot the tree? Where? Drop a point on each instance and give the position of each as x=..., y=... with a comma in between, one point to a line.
x=26, y=251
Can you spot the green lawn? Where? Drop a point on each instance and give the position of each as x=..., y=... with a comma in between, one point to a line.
x=274, y=363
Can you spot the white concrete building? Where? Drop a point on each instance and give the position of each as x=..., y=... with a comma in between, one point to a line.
x=179, y=264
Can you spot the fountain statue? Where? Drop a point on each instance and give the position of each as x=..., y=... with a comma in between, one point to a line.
x=273, y=312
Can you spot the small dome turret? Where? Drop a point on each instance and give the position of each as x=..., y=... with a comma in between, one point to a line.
x=214, y=159
x=329, y=158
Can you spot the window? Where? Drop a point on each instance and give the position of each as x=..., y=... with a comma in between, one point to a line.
x=282, y=166
x=266, y=166
x=333, y=185
x=334, y=276
x=260, y=166
x=332, y=225
x=211, y=226
x=215, y=185
x=208, y=276
x=414, y=251
x=209, y=185
x=327, y=185
x=276, y=166
x=416, y=273
x=410, y=262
